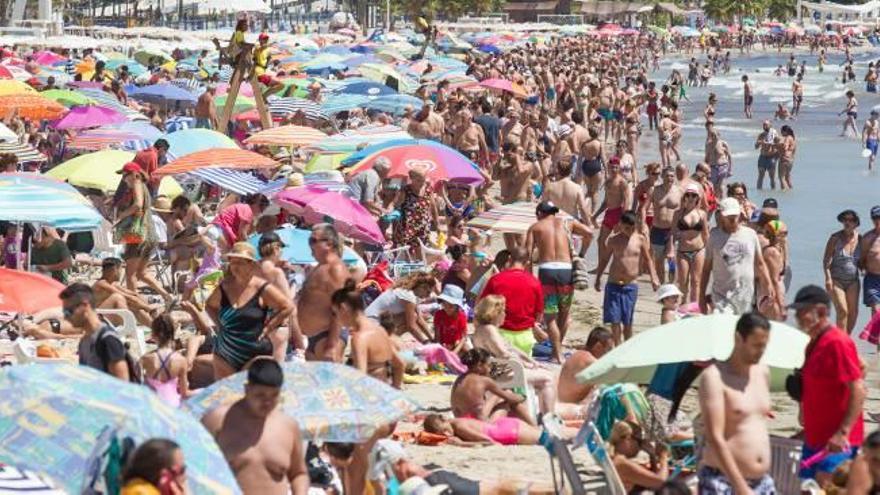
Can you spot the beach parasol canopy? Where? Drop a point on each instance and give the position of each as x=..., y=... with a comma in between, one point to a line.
x=504, y=85
x=287, y=107
x=145, y=56
x=296, y=247
x=30, y=106
x=77, y=405
x=109, y=137
x=515, y=218
x=38, y=199
x=67, y=97
x=13, y=87
x=287, y=135
x=330, y=402
x=99, y=171
x=351, y=140
x=318, y=205
x=695, y=339
x=161, y=92
x=85, y=117
x=395, y=104
x=218, y=158
x=343, y=102
x=27, y=292
x=370, y=89
x=441, y=162
x=25, y=152
x=324, y=161
x=188, y=141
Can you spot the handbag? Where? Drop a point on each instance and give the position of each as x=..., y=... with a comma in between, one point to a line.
x=130, y=230
x=794, y=383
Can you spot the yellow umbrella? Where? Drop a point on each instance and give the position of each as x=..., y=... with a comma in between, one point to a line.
x=13, y=87
x=98, y=171
x=287, y=135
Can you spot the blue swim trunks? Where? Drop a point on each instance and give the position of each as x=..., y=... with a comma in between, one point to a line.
x=871, y=294
x=619, y=304
x=827, y=465
x=871, y=144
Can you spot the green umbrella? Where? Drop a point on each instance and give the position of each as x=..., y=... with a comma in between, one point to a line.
x=325, y=161
x=701, y=338
x=242, y=103
x=67, y=97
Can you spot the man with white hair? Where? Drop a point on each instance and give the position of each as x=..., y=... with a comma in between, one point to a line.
x=365, y=185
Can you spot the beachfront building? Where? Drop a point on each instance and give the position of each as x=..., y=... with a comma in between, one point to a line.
x=830, y=11
x=528, y=11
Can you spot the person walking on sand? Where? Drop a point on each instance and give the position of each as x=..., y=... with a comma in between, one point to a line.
x=627, y=250
x=262, y=444
x=748, y=98
x=767, y=154
x=869, y=261
x=718, y=157
x=870, y=134
x=734, y=404
x=840, y=263
x=618, y=198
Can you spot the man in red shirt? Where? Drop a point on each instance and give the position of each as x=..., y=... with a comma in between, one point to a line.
x=833, y=389
x=524, y=300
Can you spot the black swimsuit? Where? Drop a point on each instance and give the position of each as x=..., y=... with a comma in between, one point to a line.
x=591, y=167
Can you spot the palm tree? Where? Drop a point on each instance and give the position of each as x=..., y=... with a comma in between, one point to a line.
x=781, y=9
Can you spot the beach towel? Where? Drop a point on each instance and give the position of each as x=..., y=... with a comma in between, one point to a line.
x=619, y=402
x=423, y=379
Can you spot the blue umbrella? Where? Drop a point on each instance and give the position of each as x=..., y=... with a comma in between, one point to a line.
x=343, y=102
x=55, y=418
x=296, y=247
x=31, y=198
x=370, y=89
x=191, y=140
x=322, y=67
x=336, y=50
x=494, y=50
x=134, y=68
x=395, y=104
x=164, y=92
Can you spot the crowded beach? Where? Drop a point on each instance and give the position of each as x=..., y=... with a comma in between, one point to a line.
x=429, y=260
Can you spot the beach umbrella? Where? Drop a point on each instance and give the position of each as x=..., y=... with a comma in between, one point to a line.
x=32, y=198
x=160, y=92
x=6, y=134
x=364, y=153
x=109, y=137
x=343, y=102
x=108, y=100
x=689, y=340
x=188, y=141
x=515, y=218
x=396, y=104
x=46, y=57
x=330, y=402
x=238, y=181
x=235, y=158
x=30, y=106
x=324, y=161
x=286, y=107
x=25, y=152
x=15, y=72
x=88, y=116
x=504, y=85
x=296, y=248
x=28, y=292
x=287, y=135
x=14, y=480
x=5, y=73
x=145, y=56
x=370, y=89
x=13, y=87
x=77, y=405
x=350, y=140
x=318, y=205
x=242, y=103
x=67, y=97
x=99, y=170
x=441, y=162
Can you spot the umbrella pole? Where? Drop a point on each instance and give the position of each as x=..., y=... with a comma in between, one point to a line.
x=18, y=238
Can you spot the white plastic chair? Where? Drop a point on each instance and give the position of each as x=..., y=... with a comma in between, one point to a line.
x=25, y=352
x=517, y=381
x=129, y=330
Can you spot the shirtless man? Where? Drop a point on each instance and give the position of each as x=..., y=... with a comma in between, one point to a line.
x=550, y=237
x=870, y=263
x=870, y=134
x=436, y=124
x=618, y=198
x=469, y=138
x=206, y=110
x=579, y=135
x=719, y=159
x=592, y=164
x=262, y=445
x=767, y=154
x=734, y=404
x=109, y=294
x=797, y=95
x=476, y=395
x=316, y=321
x=419, y=127
x=606, y=106
x=569, y=390
x=569, y=196
x=511, y=131
x=748, y=98
x=626, y=250
x=665, y=200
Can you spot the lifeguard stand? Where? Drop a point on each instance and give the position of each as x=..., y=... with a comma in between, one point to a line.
x=244, y=68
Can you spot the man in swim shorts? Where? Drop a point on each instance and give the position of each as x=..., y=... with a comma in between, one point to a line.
x=719, y=159
x=628, y=250
x=767, y=154
x=869, y=137
x=870, y=262
x=618, y=197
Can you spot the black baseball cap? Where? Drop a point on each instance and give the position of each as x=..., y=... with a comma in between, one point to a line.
x=875, y=212
x=269, y=238
x=810, y=295
x=547, y=208
x=770, y=203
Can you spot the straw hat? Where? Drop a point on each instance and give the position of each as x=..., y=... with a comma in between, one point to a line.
x=162, y=204
x=242, y=250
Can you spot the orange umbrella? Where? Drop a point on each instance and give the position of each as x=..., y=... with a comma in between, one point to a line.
x=218, y=158
x=34, y=107
x=27, y=292
x=287, y=135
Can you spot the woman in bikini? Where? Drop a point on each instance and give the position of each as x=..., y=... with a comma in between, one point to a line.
x=774, y=256
x=475, y=394
x=165, y=368
x=690, y=228
x=841, y=271
x=372, y=350
x=246, y=309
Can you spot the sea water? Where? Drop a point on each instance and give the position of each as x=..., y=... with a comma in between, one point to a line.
x=829, y=172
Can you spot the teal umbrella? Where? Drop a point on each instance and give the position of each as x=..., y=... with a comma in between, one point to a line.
x=191, y=140
x=695, y=339
x=331, y=402
x=296, y=247
x=52, y=415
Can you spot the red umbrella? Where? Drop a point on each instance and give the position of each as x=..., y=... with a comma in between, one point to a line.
x=217, y=158
x=26, y=292
x=504, y=85
x=5, y=74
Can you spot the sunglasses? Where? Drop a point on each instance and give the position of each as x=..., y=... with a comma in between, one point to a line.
x=315, y=240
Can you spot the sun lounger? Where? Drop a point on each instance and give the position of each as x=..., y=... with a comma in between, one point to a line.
x=570, y=480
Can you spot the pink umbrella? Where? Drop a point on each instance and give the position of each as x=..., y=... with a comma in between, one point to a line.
x=318, y=205
x=48, y=58
x=611, y=28
x=504, y=85
x=87, y=116
x=245, y=89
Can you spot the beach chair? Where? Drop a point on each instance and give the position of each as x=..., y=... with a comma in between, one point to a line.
x=129, y=330
x=785, y=460
x=589, y=438
x=25, y=352
x=516, y=381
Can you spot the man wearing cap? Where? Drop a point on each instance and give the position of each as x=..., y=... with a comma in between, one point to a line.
x=206, y=110
x=733, y=260
x=550, y=237
x=365, y=185
x=870, y=263
x=831, y=386
x=870, y=135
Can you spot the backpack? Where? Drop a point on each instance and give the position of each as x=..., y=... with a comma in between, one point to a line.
x=135, y=372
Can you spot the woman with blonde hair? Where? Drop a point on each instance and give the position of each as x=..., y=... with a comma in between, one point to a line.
x=626, y=442
x=401, y=303
x=774, y=256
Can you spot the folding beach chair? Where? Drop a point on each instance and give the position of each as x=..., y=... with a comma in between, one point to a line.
x=516, y=381
x=587, y=437
x=785, y=460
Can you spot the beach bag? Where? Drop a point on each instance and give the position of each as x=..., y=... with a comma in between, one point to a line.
x=135, y=372
x=794, y=383
x=130, y=230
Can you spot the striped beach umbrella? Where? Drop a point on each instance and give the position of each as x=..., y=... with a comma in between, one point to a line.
x=102, y=138
x=30, y=106
x=514, y=218
x=343, y=102
x=38, y=199
x=23, y=151
x=284, y=107
x=217, y=158
x=105, y=99
x=237, y=181
x=14, y=480
x=188, y=83
x=287, y=135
